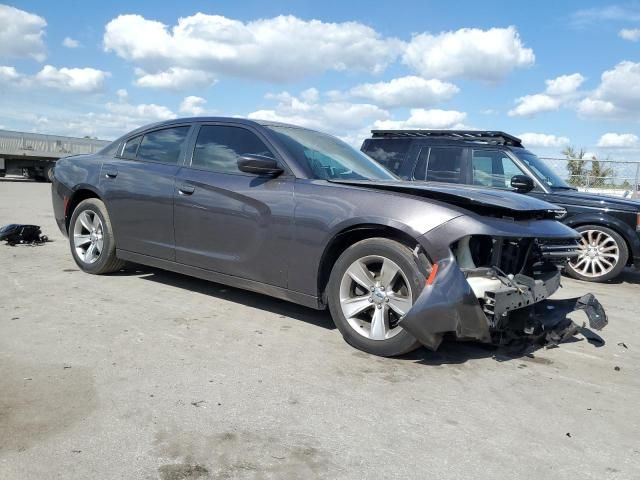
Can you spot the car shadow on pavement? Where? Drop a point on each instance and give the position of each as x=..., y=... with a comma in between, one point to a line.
x=450, y=352
x=453, y=352
x=236, y=295
x=628, y=275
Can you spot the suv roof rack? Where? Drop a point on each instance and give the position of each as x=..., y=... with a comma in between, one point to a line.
x=495, y=137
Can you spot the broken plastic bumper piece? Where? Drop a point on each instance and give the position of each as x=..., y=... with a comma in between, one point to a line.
x=517, y=307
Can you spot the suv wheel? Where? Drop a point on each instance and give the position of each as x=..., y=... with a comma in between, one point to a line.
x=372, y=286
x=91, y=238
x=603, y=254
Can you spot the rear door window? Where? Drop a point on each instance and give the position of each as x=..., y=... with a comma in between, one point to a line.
x=493, y=168
x=131, y=147
x=440, y=164
x=163, y=146
x=390, y=153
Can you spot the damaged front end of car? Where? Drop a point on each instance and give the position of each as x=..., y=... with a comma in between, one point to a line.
x=492, y=283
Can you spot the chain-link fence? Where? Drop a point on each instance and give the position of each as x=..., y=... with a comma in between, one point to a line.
x=606, y=177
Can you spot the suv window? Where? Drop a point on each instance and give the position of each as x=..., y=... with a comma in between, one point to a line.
x=218, y=148
x=387, y=152
x=493, y=168
x=131, y=147
x=440, y=164
x=163, y=146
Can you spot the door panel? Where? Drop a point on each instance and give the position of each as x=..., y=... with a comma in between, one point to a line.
x=139, y=198
x=139, y=190
x=234, y=224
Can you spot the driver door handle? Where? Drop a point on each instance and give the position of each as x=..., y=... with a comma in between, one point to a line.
x=110, y=172
x=186, y=189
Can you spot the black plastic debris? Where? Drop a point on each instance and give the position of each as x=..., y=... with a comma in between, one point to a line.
x=18, y=234
x=547, y=324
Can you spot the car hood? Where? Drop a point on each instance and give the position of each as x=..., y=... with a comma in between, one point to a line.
x=574, y=197
x=474, y=198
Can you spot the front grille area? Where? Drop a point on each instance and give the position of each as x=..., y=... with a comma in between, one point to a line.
x=516, y=255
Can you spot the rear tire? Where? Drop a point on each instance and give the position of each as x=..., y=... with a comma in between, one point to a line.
x=367, y=310
x=93, y=246
x=604, y=254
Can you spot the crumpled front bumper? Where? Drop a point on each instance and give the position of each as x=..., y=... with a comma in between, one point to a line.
x=449, y=305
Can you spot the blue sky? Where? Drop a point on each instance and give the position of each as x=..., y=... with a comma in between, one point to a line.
x=557, y=73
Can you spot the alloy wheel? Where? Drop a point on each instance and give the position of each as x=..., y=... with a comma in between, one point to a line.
x=599, y=254
x=88, y=236
x=374, y=296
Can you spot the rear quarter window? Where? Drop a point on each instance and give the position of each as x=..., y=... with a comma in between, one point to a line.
x=391, y=154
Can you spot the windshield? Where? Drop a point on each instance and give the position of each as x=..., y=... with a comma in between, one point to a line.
x=327, y=157
x=541, y=170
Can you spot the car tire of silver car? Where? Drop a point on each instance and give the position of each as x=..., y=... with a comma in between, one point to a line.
x=603, y=254
x=373, y=284
x=91, y=238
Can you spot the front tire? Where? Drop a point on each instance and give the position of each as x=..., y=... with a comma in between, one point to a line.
x=93, y=246
x=603, y=254
x=373, y=284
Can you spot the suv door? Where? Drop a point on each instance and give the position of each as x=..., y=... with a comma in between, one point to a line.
x=229, y=221
x=138, y=187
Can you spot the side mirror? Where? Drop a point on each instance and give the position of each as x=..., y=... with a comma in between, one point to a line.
x=522, y=183
x=259, y=165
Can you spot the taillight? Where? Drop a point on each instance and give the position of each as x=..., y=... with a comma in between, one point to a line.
x=638, y=222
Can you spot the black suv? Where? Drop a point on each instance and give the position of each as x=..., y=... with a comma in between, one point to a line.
x=610, y=226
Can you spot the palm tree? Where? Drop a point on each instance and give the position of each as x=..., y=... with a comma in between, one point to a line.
x=575, y=165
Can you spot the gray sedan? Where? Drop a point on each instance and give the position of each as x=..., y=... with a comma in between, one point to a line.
x=300, y=215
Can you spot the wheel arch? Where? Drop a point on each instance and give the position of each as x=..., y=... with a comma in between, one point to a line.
x=612, y=223
x=82, y=192
x=349, y=236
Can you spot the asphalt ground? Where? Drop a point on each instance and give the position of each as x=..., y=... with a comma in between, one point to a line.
x=148, y=374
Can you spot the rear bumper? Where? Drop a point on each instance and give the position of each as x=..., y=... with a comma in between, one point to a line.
x=59, y=196
x=449, y=306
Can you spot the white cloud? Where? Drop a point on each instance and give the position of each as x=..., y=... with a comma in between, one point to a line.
x=21, y=34
x=193, y=105
x=9, y=75
x=611, y=13
x=175, y=78
x=72, y=79
x=81, y=80
x=122, y=94
x=410, y=91
x=106, y=121
x=282, y=48
x=631, y=34
x=617, y=96
x=530, y=105
x=70, y=43
x=619, y=140
x=543, y=140
x=487, y=55
x=560, y=91
x=564, y=84
x=589, y=107
x=340, y=118
x=421, y=118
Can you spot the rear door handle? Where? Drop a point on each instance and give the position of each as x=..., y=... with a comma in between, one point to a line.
x=186, y=189
x=110, y=172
